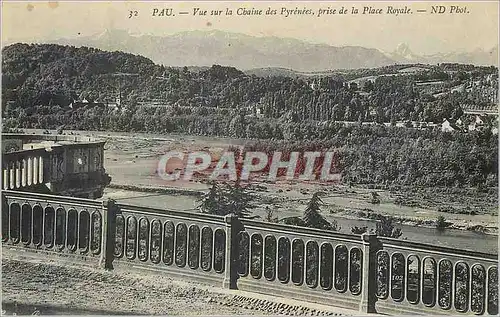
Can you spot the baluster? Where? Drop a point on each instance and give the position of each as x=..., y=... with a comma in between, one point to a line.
x=17, y=166
x=40, y=170
x=471, y=287
x=11, y=175
x=5, y=171
x=290, y=260
x=14, y=174
x=487, y=290
x=23, y=173
x=35, y=170
x=52, y=168
x=29, y=171
x=44, y=220
x=277, y=256
x=453, y=286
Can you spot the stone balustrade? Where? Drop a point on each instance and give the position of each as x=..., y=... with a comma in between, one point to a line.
x=363, y=272
x=59, y=164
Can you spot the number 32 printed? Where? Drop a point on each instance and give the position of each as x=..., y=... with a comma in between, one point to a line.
x=133, y=14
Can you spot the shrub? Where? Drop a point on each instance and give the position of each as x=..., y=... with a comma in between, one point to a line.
x=312, y=217
x=385, y=228
x=441, y=223
x=375, y=198
x=359, y=230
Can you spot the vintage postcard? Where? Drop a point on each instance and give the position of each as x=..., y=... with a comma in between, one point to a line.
x=298, y=158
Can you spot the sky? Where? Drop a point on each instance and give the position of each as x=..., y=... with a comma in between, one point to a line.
x=425, y=33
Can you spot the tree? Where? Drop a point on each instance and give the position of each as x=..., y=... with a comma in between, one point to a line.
x=270, y=215
x=210, y=201
x=457, y=113
x=385, y=228
x=237, y=200
x=237, y=126
x=441, y=223
x=368, y=86
x=312, y=217
x=227, y=199
x=375, y=198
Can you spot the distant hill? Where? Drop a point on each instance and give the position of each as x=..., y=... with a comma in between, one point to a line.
x=56, y=75
x=50, y=74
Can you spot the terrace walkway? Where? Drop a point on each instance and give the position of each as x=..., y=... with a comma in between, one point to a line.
x=137, y=291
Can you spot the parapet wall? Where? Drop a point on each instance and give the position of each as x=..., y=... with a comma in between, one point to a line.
x=28, y=138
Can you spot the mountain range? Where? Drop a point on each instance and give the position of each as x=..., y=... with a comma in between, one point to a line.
x=403, y=54
x=205, y=48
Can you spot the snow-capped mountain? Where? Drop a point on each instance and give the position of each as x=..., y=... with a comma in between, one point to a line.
x=404, y=54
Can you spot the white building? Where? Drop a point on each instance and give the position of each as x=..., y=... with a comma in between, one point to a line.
x=446, y=126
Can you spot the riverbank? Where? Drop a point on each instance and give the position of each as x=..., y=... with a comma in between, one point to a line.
x=278, y=199
x=480, y=227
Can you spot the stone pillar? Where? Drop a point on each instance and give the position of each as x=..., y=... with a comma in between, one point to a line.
x=231, y=259
x=369, y=278
x=109, y=211
x=41, y=176
x=35, y=170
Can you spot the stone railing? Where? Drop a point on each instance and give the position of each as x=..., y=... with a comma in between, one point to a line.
x=365, y=273
x=23, y=169
x=60, y=164
x=413, y=277
x=184, y=244
x=45, y=223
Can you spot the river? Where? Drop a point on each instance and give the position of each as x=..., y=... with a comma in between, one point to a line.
x=454, y=238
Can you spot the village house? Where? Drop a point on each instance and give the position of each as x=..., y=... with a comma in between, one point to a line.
x=77, y=104
x=116, y=104
x=449, y=126
x=85, y=103
x=478, y=124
